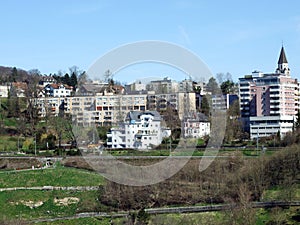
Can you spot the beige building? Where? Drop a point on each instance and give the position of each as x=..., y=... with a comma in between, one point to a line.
x=180, y=101
x=86, y=110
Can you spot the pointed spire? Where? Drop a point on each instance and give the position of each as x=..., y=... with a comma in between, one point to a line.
x=282, y=57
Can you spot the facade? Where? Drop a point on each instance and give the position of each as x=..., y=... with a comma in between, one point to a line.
x=180, y=101
x=164, y=86
x=57, y=90
x=4, y=89
x=269, y=102
x=18, y=89
x=185, y=86
x=51, y=106
x=87, y=110
x=196, y=125
x=141, y=130
x=46, y=80
x=223, y=102
x=136, y=86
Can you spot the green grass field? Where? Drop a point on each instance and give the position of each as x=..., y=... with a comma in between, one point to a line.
x=59, y=176
x=8, y=143
x=48, y=204
x=81, y=221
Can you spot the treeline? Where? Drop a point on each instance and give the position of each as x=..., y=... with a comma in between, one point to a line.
x=231, y=180
x=13, y=74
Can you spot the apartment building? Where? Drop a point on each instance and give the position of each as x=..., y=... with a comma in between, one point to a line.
x=180, y=101
x=164, y=86
x=141, y=130
x=223, y=102
x=101, y=110
x=269, y=102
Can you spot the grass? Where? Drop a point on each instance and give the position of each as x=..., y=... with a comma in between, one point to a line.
x=283, y=193
x=189, y=218
x=13, y=207
x=81, y=221
x=8, y=143
x=10, y=122
x=59, y=176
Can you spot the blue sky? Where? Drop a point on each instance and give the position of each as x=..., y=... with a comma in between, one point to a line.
x=229, y=36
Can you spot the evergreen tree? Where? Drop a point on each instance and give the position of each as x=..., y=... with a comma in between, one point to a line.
x=212, y=86
x=205, y=106
x=227, y=87
x=73, y=81
x=66, y=79
x=14, y=75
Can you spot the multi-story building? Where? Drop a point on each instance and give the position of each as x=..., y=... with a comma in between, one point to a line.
x=86, y=110
x=141, y=130
x=195, y=125
x=164, y=86
x=269, y=102
x=223, y=102
x=182, y=102
x=136, y=86
x=185, y=86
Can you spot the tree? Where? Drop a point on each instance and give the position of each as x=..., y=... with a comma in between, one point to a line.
x=13, y=106
x=205, y=106
x=73, y=81
x=221, y=77
x=34, y=72
x=66, y=79
x=63, y=128
x=227, y=87
x=233, y=124
x=297, y=122
x=14, y=75
x=212, y=86
x=82, y=78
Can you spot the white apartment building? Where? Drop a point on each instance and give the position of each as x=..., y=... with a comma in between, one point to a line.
x=141, y=130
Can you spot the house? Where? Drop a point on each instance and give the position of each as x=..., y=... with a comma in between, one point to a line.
x=45, y=80
x=195, y=125
x=58, y=90
x=18, y=89
x=141, y=130
x=4, y=89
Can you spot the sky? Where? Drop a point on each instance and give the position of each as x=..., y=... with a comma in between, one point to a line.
x=232, y=36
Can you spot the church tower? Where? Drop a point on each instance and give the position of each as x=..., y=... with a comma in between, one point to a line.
x=283, y=66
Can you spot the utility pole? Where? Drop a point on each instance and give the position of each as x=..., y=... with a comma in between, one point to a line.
x=35, y=144
x=257, y=137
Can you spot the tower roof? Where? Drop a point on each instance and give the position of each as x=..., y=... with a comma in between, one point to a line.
x=282, y=57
